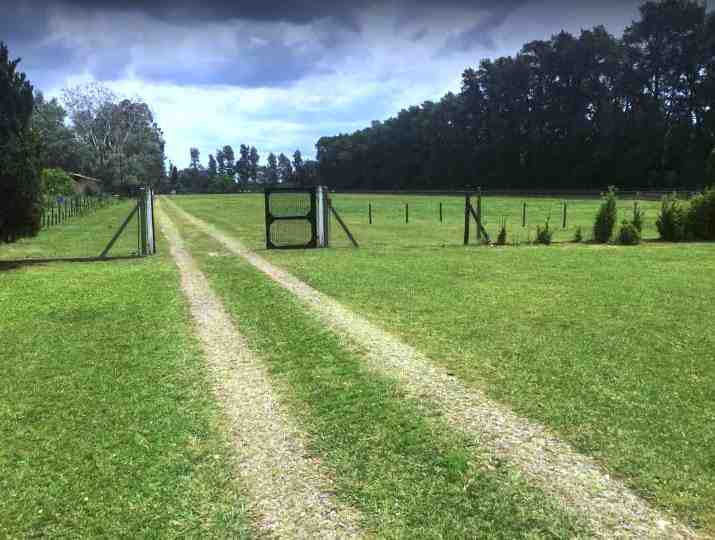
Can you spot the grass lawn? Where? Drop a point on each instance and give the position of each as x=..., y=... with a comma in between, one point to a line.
x=612, y=347
x=80, y=236
x=107, y=423
x=391, y=457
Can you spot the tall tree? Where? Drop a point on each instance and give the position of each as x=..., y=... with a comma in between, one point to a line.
x=272, y=170
x=230, y=161
x=121, y=137
x=20, y=193
x=213, y=169
x=285, y=168
x=298, y=168
x=244, y=165
x=220, y=162
x=253, y=159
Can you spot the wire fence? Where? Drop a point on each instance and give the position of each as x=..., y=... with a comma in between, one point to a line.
x=62, y=209
x=420, y=218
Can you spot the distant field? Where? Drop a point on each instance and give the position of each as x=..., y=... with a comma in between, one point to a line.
x=610, y=346
x=245, y=213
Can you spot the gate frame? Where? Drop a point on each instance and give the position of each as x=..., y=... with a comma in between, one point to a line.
x=316, y=216
x=146, y=237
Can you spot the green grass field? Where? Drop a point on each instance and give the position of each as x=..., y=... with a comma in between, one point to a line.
x=245, y=214
x=391, y=457
x=110, y=429
x=107, y=423
x=610, y=346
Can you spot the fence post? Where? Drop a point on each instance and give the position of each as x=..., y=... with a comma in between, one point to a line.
x=523, y=215
x=369, y=213
x=440, y=212
x=467, y=206
x=563, y=225
x=407, y=213
x=479, y=214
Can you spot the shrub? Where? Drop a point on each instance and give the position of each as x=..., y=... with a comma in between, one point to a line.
x=606, y=217
x=671, y=220
x=637, y=217
x=543, y=236
x=55, y=183
x=501, y=238
x=578, y=235
x=700, y=216
x=629, y=234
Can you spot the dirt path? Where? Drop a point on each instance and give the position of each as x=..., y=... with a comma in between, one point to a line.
x=576, y=480
x=289, y=495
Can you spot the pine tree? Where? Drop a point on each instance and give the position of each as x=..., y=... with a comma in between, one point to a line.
x=298, y=172
x=20, y=187
x=253, y=159
x=272, y=168
x=285, y=169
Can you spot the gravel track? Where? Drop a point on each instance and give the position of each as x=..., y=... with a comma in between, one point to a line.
x=577, y=481
x=288, y=494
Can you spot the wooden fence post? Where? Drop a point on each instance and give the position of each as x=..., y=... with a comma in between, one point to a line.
x=523, y=215
x=369, y=213
x=440, y=212
x=563, y=225
x=407, y=213
x=467, y=207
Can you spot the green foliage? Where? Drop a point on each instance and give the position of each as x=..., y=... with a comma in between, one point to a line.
x=578, y=234
x=501, y=237
x=638, y=216
x=19, y=154
x=628, y=234
x=56, y=182
x=700, y=216
x=20, y=187
x=543, y=235
x=671, y=220
x=606, y=217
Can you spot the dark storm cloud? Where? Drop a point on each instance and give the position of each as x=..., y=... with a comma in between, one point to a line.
x=38, y=31
x=270, y=64
x=297, y=11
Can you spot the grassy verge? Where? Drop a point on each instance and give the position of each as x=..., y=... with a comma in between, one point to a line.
x=108, y=429
x=391, y=457
x=609, y=346
x=80, y=236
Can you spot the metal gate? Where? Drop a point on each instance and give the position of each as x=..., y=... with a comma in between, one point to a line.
x=295, y=218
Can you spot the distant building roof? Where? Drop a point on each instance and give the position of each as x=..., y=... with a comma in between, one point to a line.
x=82, y=178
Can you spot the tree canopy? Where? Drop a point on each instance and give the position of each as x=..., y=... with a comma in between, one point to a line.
x=583, y=111
x=20, y=195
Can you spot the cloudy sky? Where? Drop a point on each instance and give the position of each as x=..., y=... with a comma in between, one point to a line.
x=274, y=73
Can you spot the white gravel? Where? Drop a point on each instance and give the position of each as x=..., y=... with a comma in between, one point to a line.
x=577, y=481
x=289, y=493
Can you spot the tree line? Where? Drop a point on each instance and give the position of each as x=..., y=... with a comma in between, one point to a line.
x=228, y=173
x=568, y=112
x=90, y=131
